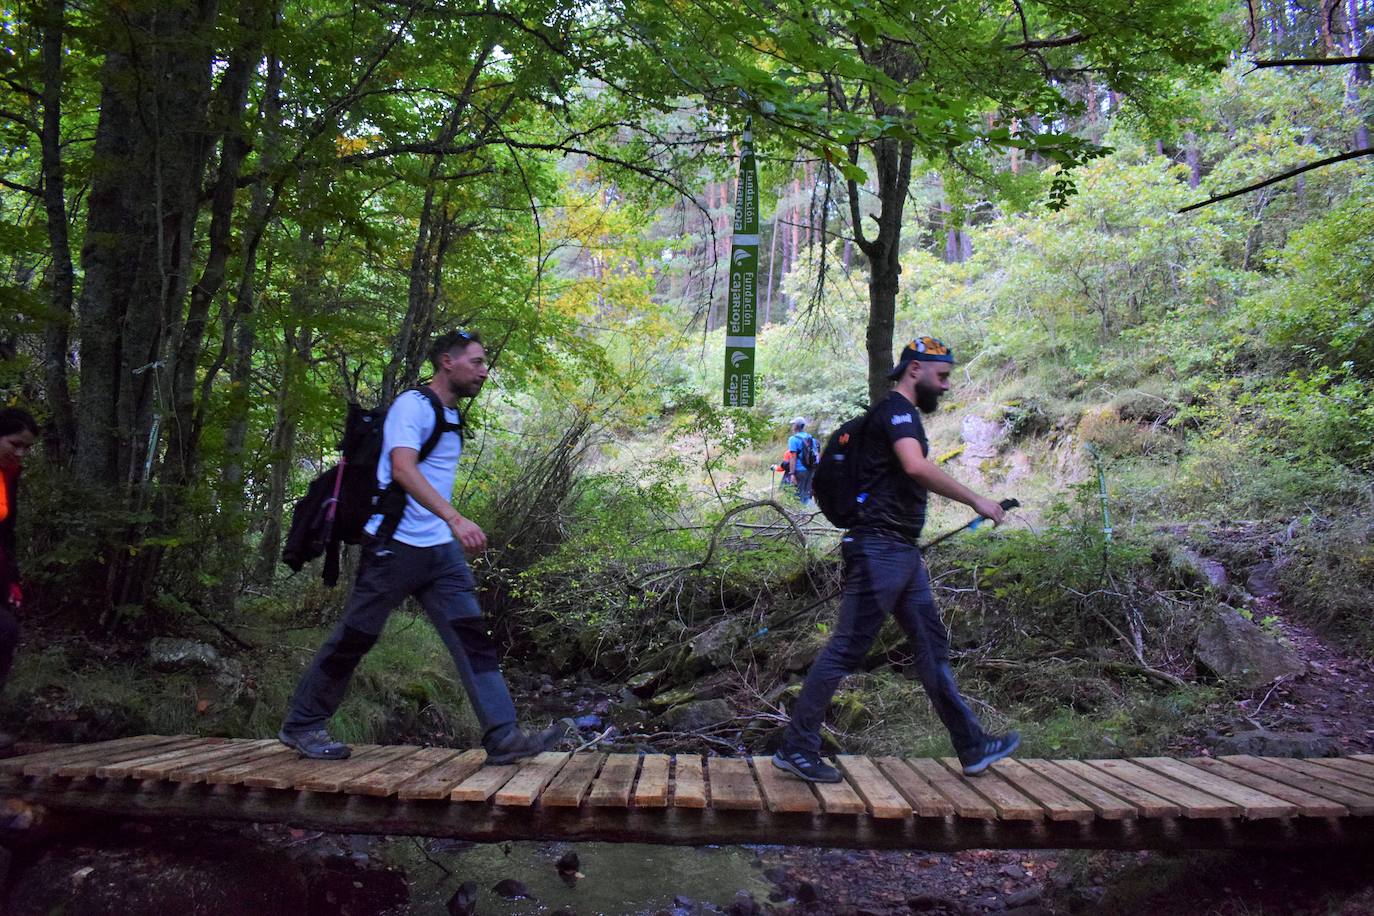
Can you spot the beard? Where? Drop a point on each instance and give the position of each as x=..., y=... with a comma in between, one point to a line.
x=466, y=389
x=928, y=398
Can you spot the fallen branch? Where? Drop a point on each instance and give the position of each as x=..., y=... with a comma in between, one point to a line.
x=1282, y=176
x=1314, y=61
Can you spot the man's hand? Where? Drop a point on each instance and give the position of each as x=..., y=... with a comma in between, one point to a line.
x=15, y=598
x=468, y=534
x=989, y=509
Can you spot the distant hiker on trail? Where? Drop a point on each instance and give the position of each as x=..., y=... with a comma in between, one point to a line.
x=805, y=452
x=884, y=572
x=18, y=433
x=417, y=549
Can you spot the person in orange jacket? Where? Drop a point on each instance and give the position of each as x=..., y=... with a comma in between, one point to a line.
x=18, y=433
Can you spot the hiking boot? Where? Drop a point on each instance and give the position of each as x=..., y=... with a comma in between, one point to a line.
x=806, y=765
x=989, y=752
x=316, y=744
x=517, y=744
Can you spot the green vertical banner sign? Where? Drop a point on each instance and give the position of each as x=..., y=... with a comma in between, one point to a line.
x=742, y=312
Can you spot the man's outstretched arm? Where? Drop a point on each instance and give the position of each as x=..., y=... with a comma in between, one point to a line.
x=925, y=472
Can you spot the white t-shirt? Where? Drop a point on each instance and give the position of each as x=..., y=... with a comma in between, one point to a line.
x=408, y=424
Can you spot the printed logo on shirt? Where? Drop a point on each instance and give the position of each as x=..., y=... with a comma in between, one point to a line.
x=899, y=419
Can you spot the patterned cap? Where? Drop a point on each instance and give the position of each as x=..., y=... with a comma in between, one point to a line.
x=928, y=349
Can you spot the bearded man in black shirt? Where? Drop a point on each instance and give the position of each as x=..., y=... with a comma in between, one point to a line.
x=884, y=572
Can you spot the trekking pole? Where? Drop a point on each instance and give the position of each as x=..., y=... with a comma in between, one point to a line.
x=1006, y=504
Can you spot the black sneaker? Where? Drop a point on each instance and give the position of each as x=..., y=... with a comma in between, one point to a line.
x=316, y=744
x=989, y=752
x=807, y=765
x=518, y=745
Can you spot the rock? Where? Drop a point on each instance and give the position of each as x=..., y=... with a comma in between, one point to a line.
x=981, y=438
x=220, y=681
x=168, y=654
x=1236, y=650
x=1033, y=909
x=930, y=903
x=744, y=905
x=778, y=875
x=715, y=646
x=512, y=889
x=797, y=657
x=464, y=900
x=1262, y=581
x=1014, y=871
x=698, y=715
x=1189, y=562
x=806, y=893
x=1261, y=742
x=1022, y=897
x=645, y=683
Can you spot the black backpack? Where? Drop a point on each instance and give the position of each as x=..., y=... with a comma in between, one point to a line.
x=338, y=503
x=809, y=456
x=836, y=486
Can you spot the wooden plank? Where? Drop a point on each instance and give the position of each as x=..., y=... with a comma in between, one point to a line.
x=1364, y=758
x=1011, y=805
x=1147, y=804
x=1309, y=804
x=1059, y=803
x=573, y=782
x=242, y=752
x=967, y=803
x=484, y=783
x=1256, y=805
x=839, y=798
x=651, y=791
x=925, y=799
x=1192, y=803
x=56, y=755
x=206, y=749
x=286, y=772
x=1347, y=765
x=732, y=784
x=1330, y=774
x=1103, y=803
x=881, y=797
x=441, y=781
x=612, y=787
x=783, y=793
x=235, y=774
x=85, y=767
x=524, y=788
x=386, y=779
x=336, y=774
x=689, y=782
x=1358, y=802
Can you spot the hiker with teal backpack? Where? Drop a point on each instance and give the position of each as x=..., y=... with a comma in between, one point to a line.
x=806, y=454
x=873, y=479
x=413, y=545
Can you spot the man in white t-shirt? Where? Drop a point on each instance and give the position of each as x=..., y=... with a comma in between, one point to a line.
x=418, y=551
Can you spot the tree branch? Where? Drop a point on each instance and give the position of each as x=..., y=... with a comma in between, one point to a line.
x=1314, y=61
x=1330, y=160
x=1037, y=43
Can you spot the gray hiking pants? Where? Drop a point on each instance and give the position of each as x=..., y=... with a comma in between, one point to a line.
x=441, y=581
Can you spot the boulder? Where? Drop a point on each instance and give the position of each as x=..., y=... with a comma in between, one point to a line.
x=1261, y=742
x=689, y=717
x=982, y=438
x=715, y=646
x=219, y=681
x=1236, y=650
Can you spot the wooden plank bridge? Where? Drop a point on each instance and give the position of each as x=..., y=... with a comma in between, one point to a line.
x=883, y=802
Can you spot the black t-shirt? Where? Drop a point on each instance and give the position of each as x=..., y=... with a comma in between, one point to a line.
x=895, y=503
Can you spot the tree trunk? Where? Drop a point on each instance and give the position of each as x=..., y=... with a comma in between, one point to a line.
x=61, y=438
x=893, y=167
x=1194, y=158
x=148, y=158
x=1357, y=81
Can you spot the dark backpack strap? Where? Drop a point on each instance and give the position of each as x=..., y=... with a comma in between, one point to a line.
x=392, y=500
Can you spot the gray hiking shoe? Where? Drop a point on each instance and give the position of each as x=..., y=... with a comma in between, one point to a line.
x=989, y=752
x=518, y=745
x=316, y=744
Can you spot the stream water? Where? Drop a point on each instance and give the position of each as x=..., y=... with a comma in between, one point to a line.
x=618, y=878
